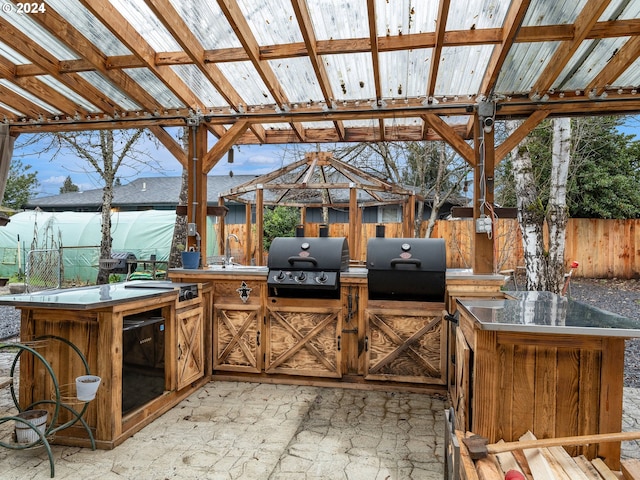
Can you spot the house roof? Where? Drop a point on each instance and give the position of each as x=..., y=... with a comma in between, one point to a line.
x=154, y=192
x=283, y=71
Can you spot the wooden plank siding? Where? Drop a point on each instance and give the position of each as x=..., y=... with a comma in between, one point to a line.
x=604, y=248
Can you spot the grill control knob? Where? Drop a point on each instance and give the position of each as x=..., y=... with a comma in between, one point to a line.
x=187, y=295
x=322, y=278
x=280, y=276
x=301, y=277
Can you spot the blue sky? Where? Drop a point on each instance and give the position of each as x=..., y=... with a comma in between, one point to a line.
x=248, y=159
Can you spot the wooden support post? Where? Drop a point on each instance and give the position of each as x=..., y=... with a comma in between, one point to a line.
x=353, y=220
x=259, y=225
x=197, y=188
x=484, y=172
x=247, y=234
x=221, y=227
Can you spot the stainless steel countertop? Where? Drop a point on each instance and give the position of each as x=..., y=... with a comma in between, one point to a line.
x=83, y=298
x=545, y=312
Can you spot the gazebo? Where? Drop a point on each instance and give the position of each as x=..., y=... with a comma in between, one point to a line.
x=318, y=181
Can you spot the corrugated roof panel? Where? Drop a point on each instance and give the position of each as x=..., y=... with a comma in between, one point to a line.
x=147, y=25
x=39, y=35
x=13, y=56
x=405, y=73
x=587, y=62
x=6, y=107
x=84, y=21
x=208, y=23
x=523, y=66
x=247, y=82
x=351, y=75
x=621, y=10
x=553, y=12
x=401, y=17
x=471, y=14
x=67, y=92
x=273, y=22
x=101, y=83
x=338, y=20
x=32, y=98
x=298, y=79
x=198, y=83
x=461, y=70
x=155, y=87
x=631, y=77
x=371, y=123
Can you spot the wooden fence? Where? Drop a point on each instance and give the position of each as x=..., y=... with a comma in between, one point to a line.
x=603, y=248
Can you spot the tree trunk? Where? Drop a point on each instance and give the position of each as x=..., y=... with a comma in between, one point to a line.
x=180, y=227
x=557, y=212
x=106, y=241
x=530, y=216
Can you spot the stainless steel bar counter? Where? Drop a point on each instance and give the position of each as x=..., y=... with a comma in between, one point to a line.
x=538, y=361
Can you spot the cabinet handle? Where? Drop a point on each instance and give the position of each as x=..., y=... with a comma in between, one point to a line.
x=366, y=343
x=258, y=338
x=339, y=339
x=179, y=351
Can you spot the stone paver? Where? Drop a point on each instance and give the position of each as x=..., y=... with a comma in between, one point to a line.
x=233, y=430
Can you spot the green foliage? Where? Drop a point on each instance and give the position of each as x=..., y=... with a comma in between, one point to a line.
x=68, y=186
x=279, y=222
x=603, y=176
x=21, y=185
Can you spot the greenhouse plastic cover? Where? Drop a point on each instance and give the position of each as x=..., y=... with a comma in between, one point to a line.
x=143, y=233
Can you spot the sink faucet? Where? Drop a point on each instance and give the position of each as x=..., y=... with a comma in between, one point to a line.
x=228, y=259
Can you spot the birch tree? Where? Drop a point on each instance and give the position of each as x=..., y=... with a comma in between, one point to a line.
x=544, y=267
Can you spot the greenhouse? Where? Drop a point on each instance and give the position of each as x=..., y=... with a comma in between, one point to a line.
x=77, y=237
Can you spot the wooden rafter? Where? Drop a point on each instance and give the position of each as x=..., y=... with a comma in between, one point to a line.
x=244, y=33
x=441, y=25
x=375, y=59
x=583, y=25
x=306, y=28
x=620, y=61
x=49, y=64
x=118, y=25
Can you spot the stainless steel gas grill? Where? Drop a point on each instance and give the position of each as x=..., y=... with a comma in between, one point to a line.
x=406, y=269
x=307, y=267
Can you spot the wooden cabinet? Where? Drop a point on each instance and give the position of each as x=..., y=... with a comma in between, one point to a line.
x=304, y=339
x=190, y=346
x=405, y=342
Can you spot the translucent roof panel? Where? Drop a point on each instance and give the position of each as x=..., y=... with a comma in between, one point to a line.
x=461, y=70
x=208, y=23
x=631, y=77
x=67, y=92
x=198, y=83
x=396, y=122
x=405, y=73
x=523, y=66
x=371, y=123
x=39, y=35
x=592, y=57
x=472, y=14
x=351, y=75
x=298, y=79
x=247, y=82
x=553, y=12
x=147, y=25
x=621, y=10
x=13, y=56
x=101, y=83
x=84, y=21
x=272, y=23
x=339, y=20
x=6, y=107
x=155, y=87
x=401, y=17
x=32, y=98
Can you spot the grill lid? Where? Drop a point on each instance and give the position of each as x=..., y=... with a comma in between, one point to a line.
x=307, y=262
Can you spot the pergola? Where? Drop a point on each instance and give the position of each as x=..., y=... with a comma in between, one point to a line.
x=286, y=71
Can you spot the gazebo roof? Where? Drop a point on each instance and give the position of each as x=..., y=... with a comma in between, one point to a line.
x=283, y=71
x=319, y=180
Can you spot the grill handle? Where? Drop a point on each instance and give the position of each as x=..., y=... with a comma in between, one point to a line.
x=406, y=261
x=297, y=258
